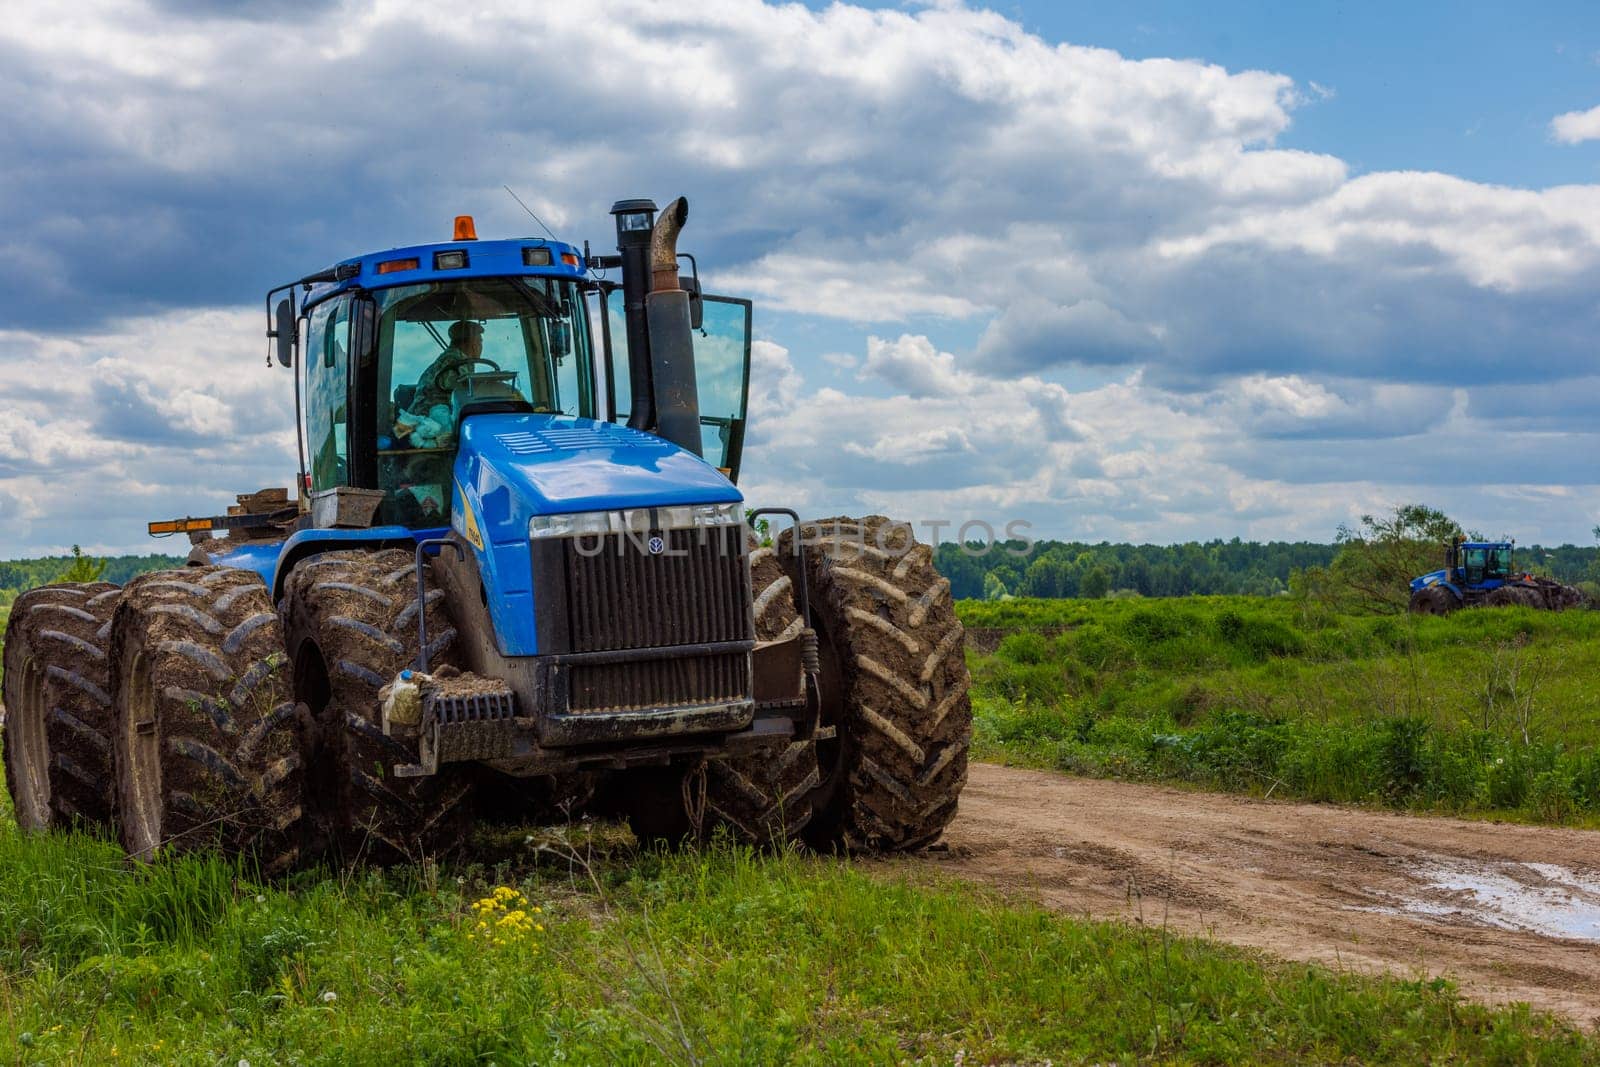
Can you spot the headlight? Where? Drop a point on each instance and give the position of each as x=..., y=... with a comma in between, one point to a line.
x=637, y=520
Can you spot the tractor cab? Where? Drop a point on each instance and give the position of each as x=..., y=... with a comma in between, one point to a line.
x=1480, y=564
x=402, y=347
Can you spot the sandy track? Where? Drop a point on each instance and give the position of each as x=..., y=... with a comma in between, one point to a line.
x=1510, y=912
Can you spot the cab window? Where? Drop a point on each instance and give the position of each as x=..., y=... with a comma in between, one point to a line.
x=327, y=370
x=447, y=349
x=722, y=378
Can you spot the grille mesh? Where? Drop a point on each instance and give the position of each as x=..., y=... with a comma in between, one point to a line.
x=621, y=596
x=658, y=683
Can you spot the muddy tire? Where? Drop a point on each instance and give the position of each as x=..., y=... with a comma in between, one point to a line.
x=1520, y=596
x=58, y=709
x=1433, y=600
x=204, y=736
x=765, y=798
x=894, y=687
x=351, y=619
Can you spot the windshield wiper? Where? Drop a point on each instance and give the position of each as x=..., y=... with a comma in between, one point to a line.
x=433, y=331
x=538, y=301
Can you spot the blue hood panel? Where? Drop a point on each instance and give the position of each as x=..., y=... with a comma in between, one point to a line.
x=559, y=464
x=1431, y=578
x=513, y=467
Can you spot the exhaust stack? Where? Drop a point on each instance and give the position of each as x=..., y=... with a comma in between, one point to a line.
x=666, y=399
x=664, y=246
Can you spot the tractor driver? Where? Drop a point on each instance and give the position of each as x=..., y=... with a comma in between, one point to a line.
x=433, y=388
x=429, y=423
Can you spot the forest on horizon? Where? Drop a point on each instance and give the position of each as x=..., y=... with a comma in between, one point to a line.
x=1048, y=569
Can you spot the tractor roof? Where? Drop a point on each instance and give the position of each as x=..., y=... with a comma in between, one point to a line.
x=417, y=264
x=1487, y=544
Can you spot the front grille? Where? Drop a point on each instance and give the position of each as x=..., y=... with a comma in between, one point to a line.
x=658, y=683
x=619, y=595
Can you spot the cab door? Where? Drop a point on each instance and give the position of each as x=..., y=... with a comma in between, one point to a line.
x=722, y=379
x=721, y=367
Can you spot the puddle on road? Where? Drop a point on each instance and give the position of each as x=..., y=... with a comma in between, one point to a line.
x=1539, y=898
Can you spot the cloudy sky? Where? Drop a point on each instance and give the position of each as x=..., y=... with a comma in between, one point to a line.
x=1124, y=271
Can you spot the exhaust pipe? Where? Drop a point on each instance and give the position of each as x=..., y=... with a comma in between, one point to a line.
x=664, y=246
x=677, y=395
x=666, y=399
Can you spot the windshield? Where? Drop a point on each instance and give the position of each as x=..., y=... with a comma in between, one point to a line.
x=1486, y=563
x=513, y=344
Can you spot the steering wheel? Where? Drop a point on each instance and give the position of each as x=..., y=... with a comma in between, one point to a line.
x=478, y=359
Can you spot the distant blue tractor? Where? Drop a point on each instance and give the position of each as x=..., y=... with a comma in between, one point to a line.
x=1481, y=574
x=517, y=577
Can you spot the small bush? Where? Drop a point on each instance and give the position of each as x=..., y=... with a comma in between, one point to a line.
x=1026, y=647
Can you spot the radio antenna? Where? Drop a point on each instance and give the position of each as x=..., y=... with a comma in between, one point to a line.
x=531, y=215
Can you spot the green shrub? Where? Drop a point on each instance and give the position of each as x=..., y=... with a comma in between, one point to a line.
x=1027, y=647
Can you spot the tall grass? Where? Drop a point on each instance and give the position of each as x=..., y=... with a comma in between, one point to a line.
x=1489, y=711
x=715, y=957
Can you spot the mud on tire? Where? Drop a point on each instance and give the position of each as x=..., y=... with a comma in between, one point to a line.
x=895, y=686
x=58, y=706
x=204, y=733
x=765, y=798
x=351, y=618
x=1433, y=600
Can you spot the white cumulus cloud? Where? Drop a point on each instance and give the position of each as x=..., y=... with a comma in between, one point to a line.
x=1575, y=127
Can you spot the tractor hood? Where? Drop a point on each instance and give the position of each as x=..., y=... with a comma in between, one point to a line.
x=1431, y=578
x=512, y=467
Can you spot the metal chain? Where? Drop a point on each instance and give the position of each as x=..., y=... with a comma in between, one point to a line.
x=694, y=798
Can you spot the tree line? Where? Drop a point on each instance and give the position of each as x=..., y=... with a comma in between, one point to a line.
x=18, y=575
x=1206, y=568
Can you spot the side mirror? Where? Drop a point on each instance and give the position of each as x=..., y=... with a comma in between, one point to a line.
x=560, y=340
x=364, y=331
x=697, y=307
x=286, y=332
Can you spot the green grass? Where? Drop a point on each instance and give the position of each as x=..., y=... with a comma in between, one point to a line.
x=716, y=957
x=1484, y=712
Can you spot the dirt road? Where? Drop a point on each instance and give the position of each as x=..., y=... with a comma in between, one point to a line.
x=1510, y=912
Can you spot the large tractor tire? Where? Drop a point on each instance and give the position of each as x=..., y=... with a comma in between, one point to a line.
x=351, y=619
x=58, y=707
x=894, y=687
x=1434, y=600
x=1519, y=596
x=205, y=741
x=765, y=799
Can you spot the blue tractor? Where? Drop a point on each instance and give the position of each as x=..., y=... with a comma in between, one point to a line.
x=517, y=573
x=1481, y=574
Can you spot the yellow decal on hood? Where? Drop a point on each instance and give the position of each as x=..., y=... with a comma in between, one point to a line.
x=469, y=520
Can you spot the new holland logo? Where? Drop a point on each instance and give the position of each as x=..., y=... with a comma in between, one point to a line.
x=656, y=546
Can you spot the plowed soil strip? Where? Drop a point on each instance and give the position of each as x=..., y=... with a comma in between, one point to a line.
x=1511, y=913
